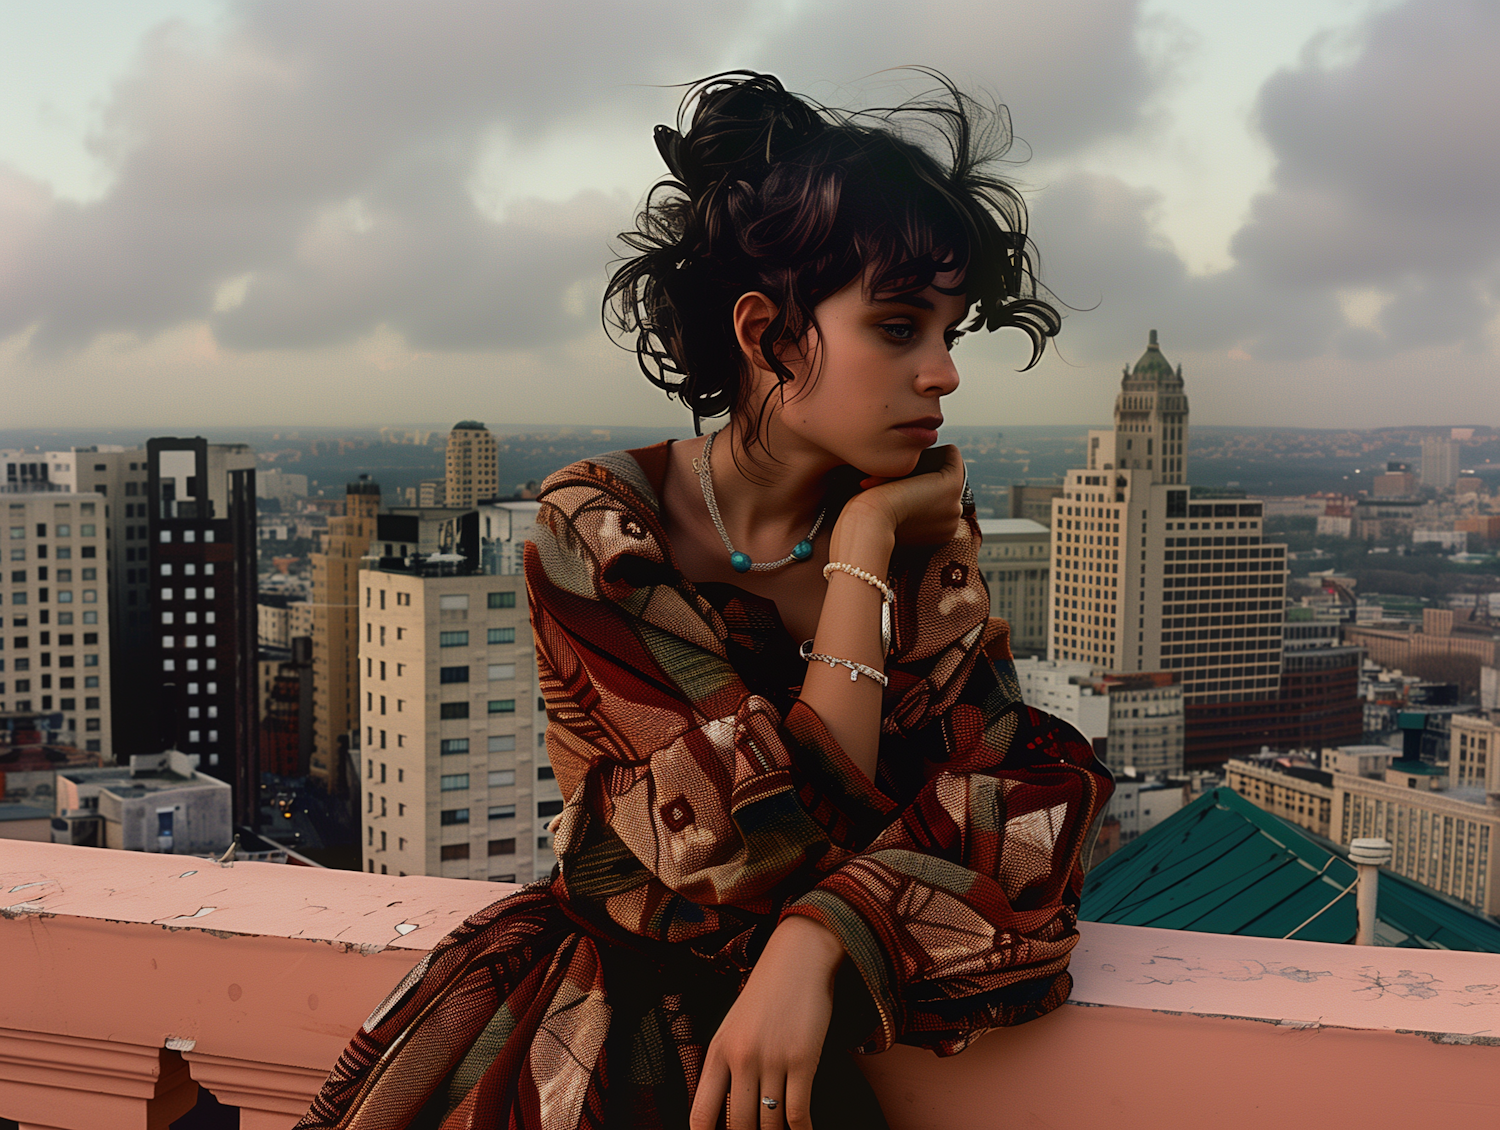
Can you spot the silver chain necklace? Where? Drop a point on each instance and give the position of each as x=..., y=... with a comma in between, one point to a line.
x=740, y=562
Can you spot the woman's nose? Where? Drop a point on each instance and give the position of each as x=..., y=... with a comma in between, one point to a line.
x=939, y=376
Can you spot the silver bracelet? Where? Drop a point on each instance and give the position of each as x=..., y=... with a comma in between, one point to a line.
x=855, y=669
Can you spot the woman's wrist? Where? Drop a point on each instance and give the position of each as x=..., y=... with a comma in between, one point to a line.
x=813, y=943
x=864, y=536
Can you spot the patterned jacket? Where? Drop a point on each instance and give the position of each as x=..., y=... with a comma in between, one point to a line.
x=698, y=815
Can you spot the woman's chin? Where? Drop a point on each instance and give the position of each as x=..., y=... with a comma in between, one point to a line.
x=891, y=465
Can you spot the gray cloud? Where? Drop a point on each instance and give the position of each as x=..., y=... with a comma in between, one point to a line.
x=319, y=155
x=1386, y=171
x=1071, y=71
x=1384, y=179
x=229, y=155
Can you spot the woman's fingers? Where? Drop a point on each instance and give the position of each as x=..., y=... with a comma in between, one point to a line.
x=713, y=1085
x=744, y=1101
x=798, y=1103
x=772, y=1117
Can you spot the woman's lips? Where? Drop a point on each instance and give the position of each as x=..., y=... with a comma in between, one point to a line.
x=922, y=431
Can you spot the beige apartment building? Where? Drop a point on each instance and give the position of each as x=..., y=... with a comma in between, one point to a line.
x=121, y=475
x=456, y=776
x=1145, y=578
x=335, y=623
x=1444, y=835
x=472, y=473
x=1304, y=799
x=1446, y=838
x=1474, y=743
x=1014, y=557
x=54, y=613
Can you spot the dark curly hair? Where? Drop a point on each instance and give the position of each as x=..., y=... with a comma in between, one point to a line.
x=770, y=192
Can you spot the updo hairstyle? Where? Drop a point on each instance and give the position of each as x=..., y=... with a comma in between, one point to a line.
x=769, y=192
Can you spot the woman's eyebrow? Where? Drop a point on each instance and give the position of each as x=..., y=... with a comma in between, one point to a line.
x=913, y=299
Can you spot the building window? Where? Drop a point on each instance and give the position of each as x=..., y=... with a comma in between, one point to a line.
x=544, y=773
x=454, y=851
x=453, y=781
x=502, y=635
x=453, y=675
x=502, y=743
x=503, y=847
x=502, y=706
x=500, y=671
x=454, y=816
x=502, y=811
x=453, y=601
x=500, y=778
x=502, y=600
x=453, y=710
x=454, y=745
x=453, y=639
x=548, y=807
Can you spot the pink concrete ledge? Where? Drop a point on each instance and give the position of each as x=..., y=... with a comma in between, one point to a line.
x=133, y=979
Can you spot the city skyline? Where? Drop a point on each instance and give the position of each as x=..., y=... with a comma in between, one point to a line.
x=246, y=210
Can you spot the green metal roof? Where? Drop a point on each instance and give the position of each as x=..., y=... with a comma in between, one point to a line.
x=1223, y=866
x=1152, y=364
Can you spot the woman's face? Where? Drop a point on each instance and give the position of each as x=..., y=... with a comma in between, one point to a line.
x=874, y=371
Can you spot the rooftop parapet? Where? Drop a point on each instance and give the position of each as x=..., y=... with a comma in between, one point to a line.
x=138, y=978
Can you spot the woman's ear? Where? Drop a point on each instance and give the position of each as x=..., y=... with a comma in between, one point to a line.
x=752, y=314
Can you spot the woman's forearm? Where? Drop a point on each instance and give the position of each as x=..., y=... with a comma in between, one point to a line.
x=849, y=628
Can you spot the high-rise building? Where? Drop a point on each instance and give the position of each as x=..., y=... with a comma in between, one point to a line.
x=1147, y=579
x=1439, y=462
x=203, y=581
x=472, y=472
x=119, y=474
x=456, y=779
x=1014, y=557
x=335, y=648
x=54, y=613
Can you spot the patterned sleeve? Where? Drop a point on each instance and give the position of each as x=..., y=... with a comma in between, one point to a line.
x=961, y=913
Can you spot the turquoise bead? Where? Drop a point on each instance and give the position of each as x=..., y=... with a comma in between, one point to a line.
x=740, y=562
x=802, y=550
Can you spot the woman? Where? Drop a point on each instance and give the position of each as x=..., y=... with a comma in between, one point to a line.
x=806, y=810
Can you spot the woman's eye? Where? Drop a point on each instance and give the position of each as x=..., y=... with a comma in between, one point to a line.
x=899, y=331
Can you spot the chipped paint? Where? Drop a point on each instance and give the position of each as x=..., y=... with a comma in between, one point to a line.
x=38, y=883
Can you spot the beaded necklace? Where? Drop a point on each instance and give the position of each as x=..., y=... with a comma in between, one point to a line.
x=740, y=562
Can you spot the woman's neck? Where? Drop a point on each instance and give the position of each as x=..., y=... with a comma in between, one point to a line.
x=764, y=498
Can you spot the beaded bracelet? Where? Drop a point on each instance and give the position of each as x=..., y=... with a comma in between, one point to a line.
x=867, y=577
x=887, y=597
x=855, y=669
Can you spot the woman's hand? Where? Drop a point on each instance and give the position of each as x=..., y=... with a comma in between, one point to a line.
x=769, y=1043
x=925, y=507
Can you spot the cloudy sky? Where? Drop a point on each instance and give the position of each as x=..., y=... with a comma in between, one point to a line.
x=368, y=211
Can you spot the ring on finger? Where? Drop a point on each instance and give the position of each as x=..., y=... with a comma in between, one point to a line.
x=768, y=1102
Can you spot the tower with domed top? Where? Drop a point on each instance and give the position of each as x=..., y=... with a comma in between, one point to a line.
x=1151, y=418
